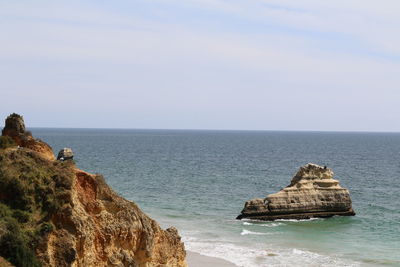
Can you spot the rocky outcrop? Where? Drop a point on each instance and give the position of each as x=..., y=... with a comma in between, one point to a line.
x=15, y=128
x=77, y=219
x=99, y=228
x=312, y=193
x=65, y=154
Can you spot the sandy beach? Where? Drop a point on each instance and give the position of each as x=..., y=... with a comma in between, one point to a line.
x=195, y=259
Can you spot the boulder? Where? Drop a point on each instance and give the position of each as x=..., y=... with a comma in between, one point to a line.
x=312, y=193
x=65, y=154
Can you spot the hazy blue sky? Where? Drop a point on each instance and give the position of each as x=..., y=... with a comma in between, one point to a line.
x=202, y=64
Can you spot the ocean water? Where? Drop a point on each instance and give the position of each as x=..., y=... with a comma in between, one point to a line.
x=198, y=182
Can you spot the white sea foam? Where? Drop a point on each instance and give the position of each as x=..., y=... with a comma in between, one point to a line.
x=272, y=224
x=263, y=224
x=262, y=255
x=247, y=232
x=301, y=220
x=283, y=220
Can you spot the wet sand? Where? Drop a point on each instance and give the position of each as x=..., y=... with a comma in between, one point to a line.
x=195, y=259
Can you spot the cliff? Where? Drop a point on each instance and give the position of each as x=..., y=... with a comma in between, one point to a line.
x=54, y=214
x=312, y=193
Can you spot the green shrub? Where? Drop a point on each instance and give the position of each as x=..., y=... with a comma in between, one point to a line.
x=32, y=191
x=6, y=142
x=21, y=216
x=5, y=211
x=14, y=245
x=15, y=187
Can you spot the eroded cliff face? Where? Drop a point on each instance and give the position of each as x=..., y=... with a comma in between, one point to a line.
x=89, y=225
x=312, y=193
x=99, y=228
x=102, y=229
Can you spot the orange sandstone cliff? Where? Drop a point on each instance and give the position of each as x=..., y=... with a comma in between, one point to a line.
x=79, y=220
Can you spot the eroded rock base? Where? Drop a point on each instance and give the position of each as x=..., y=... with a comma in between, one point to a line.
x=299, y=216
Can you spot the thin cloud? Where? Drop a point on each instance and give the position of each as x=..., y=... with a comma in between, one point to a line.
x=258, y=61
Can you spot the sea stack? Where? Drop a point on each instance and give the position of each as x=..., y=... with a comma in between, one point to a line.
x=312, y=193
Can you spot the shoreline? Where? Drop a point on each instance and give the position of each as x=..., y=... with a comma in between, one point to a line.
x=194, y=259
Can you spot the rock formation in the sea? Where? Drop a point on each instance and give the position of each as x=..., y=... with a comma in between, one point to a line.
x=312, y=193
x=54, y=214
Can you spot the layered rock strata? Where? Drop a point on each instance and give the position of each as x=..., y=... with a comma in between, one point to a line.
x=312, y=193
x=78, y=220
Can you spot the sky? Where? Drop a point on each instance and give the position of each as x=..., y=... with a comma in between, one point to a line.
x=316, y=65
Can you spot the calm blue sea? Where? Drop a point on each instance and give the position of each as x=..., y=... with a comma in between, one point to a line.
x=198, y=182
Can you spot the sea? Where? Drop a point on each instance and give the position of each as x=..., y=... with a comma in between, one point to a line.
x=199, y=180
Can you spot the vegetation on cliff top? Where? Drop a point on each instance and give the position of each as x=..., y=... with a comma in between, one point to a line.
x=32, y=191
x=6, y=142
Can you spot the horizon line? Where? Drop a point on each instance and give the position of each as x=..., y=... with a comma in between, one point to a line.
x=216, y=130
